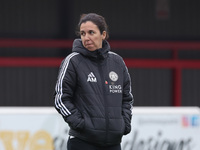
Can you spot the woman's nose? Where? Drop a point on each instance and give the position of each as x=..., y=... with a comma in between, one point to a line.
x=86, y=36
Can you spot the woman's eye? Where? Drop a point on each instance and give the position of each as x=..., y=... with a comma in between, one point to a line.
x=82, y=33
x=91, y=32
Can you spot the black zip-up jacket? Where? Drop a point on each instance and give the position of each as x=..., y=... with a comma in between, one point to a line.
x=93, y=94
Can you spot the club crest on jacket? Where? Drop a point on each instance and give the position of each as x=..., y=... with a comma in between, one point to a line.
x=113, y=76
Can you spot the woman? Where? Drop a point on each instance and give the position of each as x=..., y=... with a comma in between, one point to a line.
x=93, y=90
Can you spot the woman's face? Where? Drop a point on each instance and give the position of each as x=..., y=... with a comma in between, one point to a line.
x=91, y=36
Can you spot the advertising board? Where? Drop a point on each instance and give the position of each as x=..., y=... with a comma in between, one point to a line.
x=153, y=128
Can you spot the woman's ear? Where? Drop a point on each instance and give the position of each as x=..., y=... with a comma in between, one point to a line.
x=104, y=35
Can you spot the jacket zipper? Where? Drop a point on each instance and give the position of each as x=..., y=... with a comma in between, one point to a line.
x=104, y=98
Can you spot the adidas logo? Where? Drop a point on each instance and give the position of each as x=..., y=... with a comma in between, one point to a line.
x=91, y=78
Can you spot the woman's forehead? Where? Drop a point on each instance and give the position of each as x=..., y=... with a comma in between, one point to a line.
x=89, y=25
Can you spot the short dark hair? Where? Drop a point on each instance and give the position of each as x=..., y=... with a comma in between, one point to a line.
x=98, y=20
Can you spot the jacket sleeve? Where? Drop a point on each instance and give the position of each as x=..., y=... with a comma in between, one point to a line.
x=64, y=91
x=127, y=102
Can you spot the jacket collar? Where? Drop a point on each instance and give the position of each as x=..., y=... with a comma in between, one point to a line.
x=98, y=54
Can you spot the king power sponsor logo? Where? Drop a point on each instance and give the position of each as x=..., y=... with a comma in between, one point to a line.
x=115, y=88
